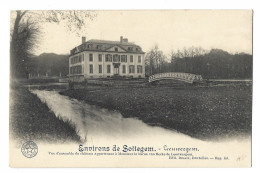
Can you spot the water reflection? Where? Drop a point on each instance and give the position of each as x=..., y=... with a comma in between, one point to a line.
x=97, y=124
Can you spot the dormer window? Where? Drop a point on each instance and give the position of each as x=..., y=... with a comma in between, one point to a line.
x=98, y=47
x=130, y=48
x=89, y=46
x=116, y=49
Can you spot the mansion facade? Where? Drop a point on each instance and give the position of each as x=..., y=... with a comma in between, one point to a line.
x=104, y=59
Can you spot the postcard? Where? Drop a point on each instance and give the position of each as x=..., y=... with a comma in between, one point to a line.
x=130, y=88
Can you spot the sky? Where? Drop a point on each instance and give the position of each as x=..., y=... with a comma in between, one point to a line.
x=230, y=30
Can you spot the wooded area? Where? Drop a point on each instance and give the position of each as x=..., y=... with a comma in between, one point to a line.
x=214, y=64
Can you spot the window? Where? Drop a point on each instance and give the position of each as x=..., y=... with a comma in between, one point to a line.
x=116, y=58
x=131, y=58
x=116, y=49
x=98, y=47
x=100, y=68
x=89, y=46
x=139, y=69
x=139, y=59
x=100, y=57
x=123, y=69
x=76, y=70
x=73, y=60
x=130, y=48
x=77, y=59
x=108, y=68
x=80, y=69
x=123, y=58
x=80, y=58
x=131, y=69
x=108, y=58
x=90, y=57
x=91, y=68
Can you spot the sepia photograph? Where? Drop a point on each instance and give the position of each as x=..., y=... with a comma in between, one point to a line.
x=130, y=88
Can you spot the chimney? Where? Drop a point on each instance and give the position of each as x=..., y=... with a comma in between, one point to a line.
x=121, y=39
x=83, y=40
x=125, y=40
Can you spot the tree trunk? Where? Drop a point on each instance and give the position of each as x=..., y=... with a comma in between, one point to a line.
x=13, y=45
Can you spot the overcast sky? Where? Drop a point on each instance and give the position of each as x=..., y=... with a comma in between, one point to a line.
x=173, y=29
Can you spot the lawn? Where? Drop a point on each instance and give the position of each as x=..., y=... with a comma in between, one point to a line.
x=206, y=113
x=30, y=119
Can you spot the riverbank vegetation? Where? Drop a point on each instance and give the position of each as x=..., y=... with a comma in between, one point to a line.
x=30, y=119
x=206, y=113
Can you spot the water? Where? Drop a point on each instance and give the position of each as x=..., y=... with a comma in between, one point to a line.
x=95, y=124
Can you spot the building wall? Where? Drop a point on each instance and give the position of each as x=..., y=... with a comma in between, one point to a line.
x=86, y=65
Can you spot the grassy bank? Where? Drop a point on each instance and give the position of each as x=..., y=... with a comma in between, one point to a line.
x=205, y=113
x=30, y=119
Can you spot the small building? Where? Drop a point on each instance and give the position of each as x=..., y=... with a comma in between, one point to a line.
x=105, y=59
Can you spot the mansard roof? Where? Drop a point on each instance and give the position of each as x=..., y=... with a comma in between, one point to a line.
x=110, y=42
x=105, y=45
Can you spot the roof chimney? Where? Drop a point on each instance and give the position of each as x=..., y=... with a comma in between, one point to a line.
x=121, y=39
x=125, y=40
x=83, y=40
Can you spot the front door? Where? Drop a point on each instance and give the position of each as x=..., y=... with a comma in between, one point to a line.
x=116, y=70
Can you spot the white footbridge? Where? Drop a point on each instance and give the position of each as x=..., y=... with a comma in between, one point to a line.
x=185, y=77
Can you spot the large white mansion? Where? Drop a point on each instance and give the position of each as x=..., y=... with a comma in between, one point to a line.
x=102, y=59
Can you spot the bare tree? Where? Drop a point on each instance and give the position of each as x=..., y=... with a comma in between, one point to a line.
x=155, y=60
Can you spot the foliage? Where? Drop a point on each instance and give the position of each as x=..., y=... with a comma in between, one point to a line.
x=215, y=63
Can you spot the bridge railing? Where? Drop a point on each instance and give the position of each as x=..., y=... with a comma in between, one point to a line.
x=186, y=77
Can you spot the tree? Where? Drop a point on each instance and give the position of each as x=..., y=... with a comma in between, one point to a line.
x=23, y=42
x=25, y=30
x=187, y=59
x=155, y=60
